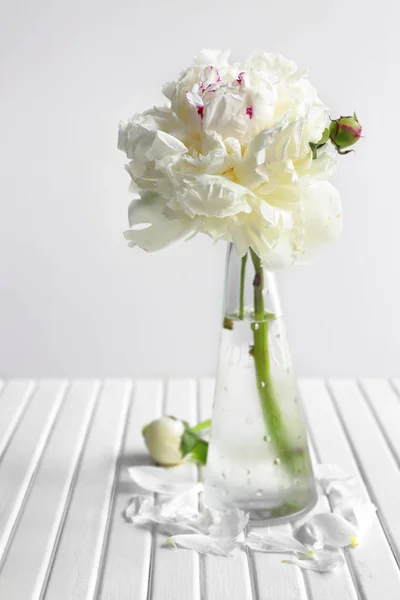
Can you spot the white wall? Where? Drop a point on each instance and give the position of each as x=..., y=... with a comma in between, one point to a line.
x=73, y=298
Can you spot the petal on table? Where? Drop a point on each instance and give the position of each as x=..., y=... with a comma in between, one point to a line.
x=310, y=535
x=326, y=473
x=160, y=480
x=323, y=562
x=204, y=544
x=230, y=524
x=275, y=542
x=336, y=531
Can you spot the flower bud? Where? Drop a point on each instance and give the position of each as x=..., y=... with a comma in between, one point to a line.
x=163, y=438
x=345, y=132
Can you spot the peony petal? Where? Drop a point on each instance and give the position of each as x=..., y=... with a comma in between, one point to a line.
x=274, y=541
x=309, y=535
x=325, y=473
x=212, y=196
x=217, y=58
x=135, y=505
x=160, y=230
x=162, y=481
x=230, y=524
x=360, y=514
x=204, y=544
x=322, y=563
x=164, y=145
x=335, y=530
x=322, y=212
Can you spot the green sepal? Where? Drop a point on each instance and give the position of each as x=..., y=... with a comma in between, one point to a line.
x=188, y=441
x=191, y=443
x=199, y=452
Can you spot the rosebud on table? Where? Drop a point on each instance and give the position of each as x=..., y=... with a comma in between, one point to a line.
x=169, y=441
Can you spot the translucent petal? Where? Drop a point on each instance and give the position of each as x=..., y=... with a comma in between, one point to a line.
x=217, y=58
x=325, y=473
x=322, y=563
x=212, y=196
x=309, y=535
x=230, y=524
x=335, y=530
x=358, y=513
x=162, y=481
x=204, y=544
x=161, y=230
x=135, y=505
x=322, y=218
x=274, y=541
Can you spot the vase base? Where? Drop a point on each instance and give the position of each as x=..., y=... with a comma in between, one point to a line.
x=279, y=516
x=270, y=510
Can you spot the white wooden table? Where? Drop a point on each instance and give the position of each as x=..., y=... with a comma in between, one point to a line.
x=64, y=452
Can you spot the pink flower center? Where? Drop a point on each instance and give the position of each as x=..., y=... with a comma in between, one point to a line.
x=249, y=112
x=200, y=111
x=240, y=78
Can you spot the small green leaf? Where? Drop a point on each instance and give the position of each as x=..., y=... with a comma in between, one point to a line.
x=189, y=441
x=228, y=323
x=199, y=452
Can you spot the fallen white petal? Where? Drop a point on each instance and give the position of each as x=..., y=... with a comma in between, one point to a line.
x=204, y=544
x=276, y=542
x=229, y=524
x=326, y=473
x=309, y=535
x=360, y=514
x=135, y=505
x=336, y=531
x=323, y=562
x=161, y=481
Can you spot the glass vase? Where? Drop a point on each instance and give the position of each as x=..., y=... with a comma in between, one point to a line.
x=258, y=458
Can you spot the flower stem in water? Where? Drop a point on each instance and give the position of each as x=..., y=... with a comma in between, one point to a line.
x=242, y=282
x=273, y=417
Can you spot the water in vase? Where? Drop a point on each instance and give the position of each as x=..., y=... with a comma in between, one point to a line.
x=258, y=457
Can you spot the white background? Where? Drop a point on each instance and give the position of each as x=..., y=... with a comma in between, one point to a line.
x=74, y=300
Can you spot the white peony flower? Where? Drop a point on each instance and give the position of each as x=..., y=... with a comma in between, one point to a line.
x=230, y=157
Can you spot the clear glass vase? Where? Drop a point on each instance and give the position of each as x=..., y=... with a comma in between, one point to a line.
x=258, y=457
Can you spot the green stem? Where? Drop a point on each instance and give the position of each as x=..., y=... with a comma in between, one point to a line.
x=269, y=403
x=242, y=282
x=203, y=425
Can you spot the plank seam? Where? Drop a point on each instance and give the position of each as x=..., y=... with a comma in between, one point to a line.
x=66, y=506
x=107, y=533
x=97, y=567
x=202, y=570
x=9, y=434
x=374, y=413
x=36, y=461
x=363, y=473
x=254, y=585
x=150, y=579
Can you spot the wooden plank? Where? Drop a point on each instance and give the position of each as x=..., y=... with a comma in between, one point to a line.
x=13, y=401
x=74, y=573
x=385, y=405
x=372, y=450
x=127, y=560
x=223, y=578
x=35, y=538
x=372, y=564
x=23, y=454
x=175, y=573
x=330, y=586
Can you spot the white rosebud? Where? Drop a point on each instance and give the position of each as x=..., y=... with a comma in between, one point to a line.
x=163, y=438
